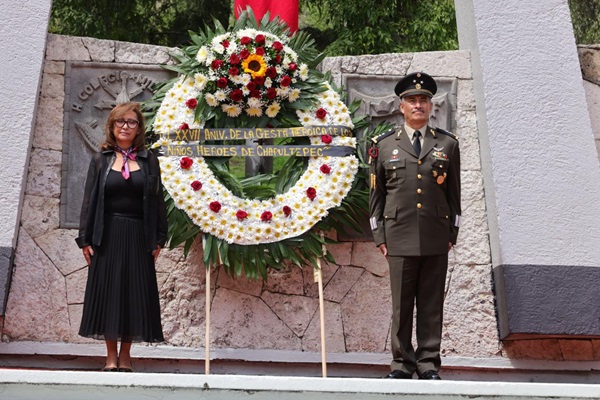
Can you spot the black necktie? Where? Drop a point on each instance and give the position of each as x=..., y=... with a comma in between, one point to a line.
x=417, y=143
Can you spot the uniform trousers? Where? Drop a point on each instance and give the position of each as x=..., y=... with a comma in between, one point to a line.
x=422, y=280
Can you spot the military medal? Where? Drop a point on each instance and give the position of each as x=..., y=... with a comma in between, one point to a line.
x=440, y=179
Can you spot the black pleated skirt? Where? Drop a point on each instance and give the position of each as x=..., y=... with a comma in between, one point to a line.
x=121, y=296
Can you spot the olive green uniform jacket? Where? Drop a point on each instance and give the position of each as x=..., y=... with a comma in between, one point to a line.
x=415, y=201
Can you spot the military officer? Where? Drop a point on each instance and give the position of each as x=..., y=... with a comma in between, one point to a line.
x=414, y=216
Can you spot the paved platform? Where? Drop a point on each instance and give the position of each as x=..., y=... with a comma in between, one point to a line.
x=18, y=384
x=161, y=359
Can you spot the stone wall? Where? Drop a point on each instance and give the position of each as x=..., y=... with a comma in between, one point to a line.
x=46, y=296
x=589, y=57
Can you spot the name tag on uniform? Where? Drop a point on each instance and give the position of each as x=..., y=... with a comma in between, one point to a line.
x=373, y=222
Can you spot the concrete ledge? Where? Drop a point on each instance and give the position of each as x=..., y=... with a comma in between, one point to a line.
x=64, y=385
x=169, y=359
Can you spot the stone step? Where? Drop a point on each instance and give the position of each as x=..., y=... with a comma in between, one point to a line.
x=18, y=384
x=184, y=360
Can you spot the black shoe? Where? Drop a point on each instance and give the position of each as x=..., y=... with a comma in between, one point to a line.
x=110, y=369
x=397, y=374
x=431, y=375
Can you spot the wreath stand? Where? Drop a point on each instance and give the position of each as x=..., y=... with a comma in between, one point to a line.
x=318, y=278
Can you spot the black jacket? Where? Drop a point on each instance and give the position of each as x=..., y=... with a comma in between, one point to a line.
x=91, y=222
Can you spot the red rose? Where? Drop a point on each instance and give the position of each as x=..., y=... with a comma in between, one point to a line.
x=271, y=93
x=191, y=103
x=225, y=43
x=292, y=67
x=251, y=86
x=271, y=72
x=321, y=113
x=234, y=59
x=259, y=39
x=236, y=95
x=216, y=64
x=245, y=40
x=196, y=185
x=311, y=193
x=286, y=81
x=184, y=126
x=259, y=80
x=222, y=83
x=186, y=162
x=244, y=54
x=241, y=215
x=255, y=93
x=233, y=71
x=215, y=206
x=266, y=216
x=259, y=51
x=325, y=169
x=287, y=211
x=278, y=59
x=277, y=46
x=326, y=139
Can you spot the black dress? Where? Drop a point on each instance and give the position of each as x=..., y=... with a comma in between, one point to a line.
x=121, y=296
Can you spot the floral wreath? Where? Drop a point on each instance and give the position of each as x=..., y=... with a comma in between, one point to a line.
x=251, y=77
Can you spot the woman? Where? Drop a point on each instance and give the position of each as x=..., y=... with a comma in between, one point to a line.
x=123, y=226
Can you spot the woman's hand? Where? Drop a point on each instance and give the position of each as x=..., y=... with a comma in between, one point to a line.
x=156, y=252
x=88, y=252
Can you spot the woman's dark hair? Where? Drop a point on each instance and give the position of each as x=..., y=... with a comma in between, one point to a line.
x=119, y=111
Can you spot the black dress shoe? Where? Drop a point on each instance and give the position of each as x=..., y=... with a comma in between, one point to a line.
x=397, y=374
x=431, y=375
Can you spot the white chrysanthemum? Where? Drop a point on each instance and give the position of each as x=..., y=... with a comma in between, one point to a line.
x=293, y=95
x=220, y=38
x=237, y=79
x=218, y=48
x=303, y=72
x=200, y=81
x=211, y=100
x=254, y=111
x=273, y=110
x=220, y=95
x=203, y=54
x=255, y=103
x=232, y=110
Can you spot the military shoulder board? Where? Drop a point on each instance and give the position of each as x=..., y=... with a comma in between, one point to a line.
x=383, y=136
x=445, y=132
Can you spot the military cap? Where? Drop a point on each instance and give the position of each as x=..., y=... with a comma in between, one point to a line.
x=416, y=83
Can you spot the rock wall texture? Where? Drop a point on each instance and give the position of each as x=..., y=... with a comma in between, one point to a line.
x=282, y=313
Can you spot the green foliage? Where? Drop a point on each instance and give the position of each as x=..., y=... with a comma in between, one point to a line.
x=586, y=24
x=163, y=22
x=354, y=27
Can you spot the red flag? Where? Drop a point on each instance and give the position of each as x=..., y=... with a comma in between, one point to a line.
x=287, y=10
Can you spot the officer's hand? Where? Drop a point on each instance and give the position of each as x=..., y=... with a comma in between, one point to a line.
x=88, y=252
x=383, y=249
x=449, y=246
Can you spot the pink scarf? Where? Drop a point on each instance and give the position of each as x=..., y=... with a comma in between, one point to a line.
x=127, y=154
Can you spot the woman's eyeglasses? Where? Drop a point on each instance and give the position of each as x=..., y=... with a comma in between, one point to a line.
x=131, y=123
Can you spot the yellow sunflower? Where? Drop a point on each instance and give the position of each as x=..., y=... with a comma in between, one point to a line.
x=255, y=65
